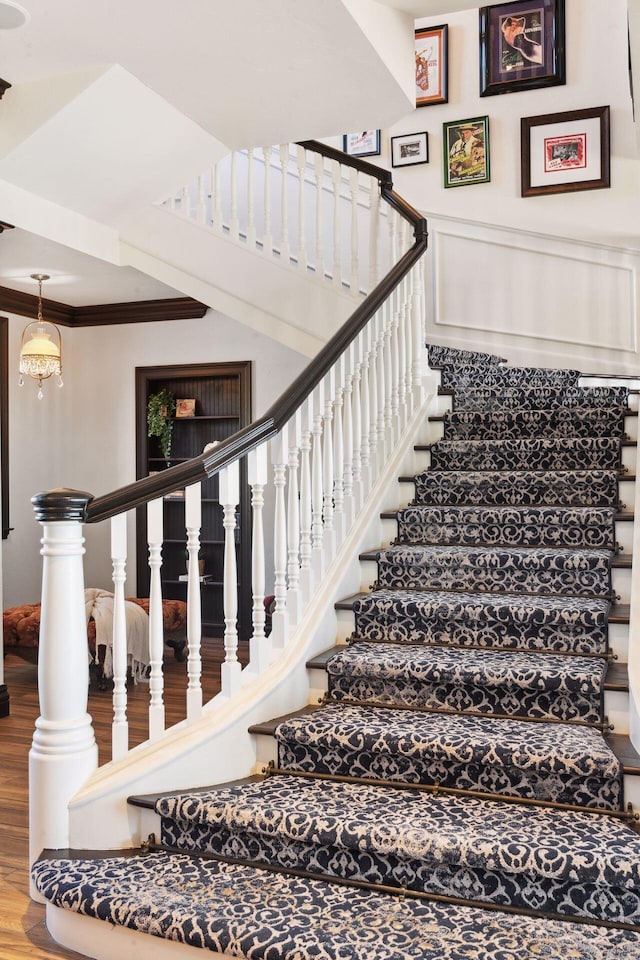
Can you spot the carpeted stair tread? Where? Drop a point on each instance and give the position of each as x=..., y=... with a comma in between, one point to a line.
x=589, y=488
x=562, y=422
x=466, y=375
x=514, y=853
x=537, y=398
x=544, y=761
x=534, y=453
x=259, y=915
x=540, y=570
x=440, y=356
x=498, y=620
x=509, y=683
x=546, y=526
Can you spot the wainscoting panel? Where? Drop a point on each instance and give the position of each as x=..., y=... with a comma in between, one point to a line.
x=524, y=285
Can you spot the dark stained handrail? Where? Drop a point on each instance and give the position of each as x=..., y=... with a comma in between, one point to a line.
x=206, y=464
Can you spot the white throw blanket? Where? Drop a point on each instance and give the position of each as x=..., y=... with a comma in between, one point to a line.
x=99, y=605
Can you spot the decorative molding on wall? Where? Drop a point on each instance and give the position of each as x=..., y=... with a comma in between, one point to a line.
x=104, y=314
x=523, y=285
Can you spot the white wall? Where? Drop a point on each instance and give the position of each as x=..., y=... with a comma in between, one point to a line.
x=83, y=436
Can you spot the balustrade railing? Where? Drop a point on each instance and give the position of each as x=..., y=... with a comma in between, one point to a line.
x=306, y=210
x=320, y=448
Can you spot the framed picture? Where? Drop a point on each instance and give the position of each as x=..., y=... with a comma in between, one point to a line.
x=365, y=144
x=522, y=46
x=409, y=149
x=431, y=49
x=466, y=152
x=185, y=408
x=564, y=152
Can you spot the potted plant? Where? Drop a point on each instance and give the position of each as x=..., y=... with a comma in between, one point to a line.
x=161, y=408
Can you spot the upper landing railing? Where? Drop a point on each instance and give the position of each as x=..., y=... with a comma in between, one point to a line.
x=320, y=447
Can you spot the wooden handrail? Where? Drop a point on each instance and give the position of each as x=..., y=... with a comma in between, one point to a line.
x=206, y=464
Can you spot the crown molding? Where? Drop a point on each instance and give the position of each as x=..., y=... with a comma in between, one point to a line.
x=102, y=314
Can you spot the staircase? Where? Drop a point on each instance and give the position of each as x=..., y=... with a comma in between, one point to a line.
x=458, y=793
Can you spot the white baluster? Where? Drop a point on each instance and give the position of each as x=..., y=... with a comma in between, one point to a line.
x=120, y=727
x=185, y=204
x=372, y=338
x=418, y=347
x=302, y=228
x=317, y=528
x=251, y=210
x=279, y=455
x=392, y=221
x=349, y=505
x=327, y=463
x=381, y=387
x=319, y=177
x=402, y=354
x=337, y=267
x=285, y=251
x=193, y=523
x=388, y=376
x=229, y=482
x=202, y=200
x=156, y=639
x=268, y=238
x=260, y=644
x=233, y=186
x=394, y=308
x=408, y=347
x=355, y=267
x=218, y=222
x=374, y=229
x=356, y=414
x=338, y=454
x=294, y=597
x=365, y=413
x=306, y=576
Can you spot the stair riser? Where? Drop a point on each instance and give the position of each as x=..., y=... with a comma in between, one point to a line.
x=498, y=887
x=416, y=528
x=542, y=705
x=574, y=489
x=507, y=781
x=442, y=460
x=620, y=580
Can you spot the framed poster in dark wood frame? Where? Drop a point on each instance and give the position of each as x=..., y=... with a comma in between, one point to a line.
x=522, y=46
x=565, y=152
x=364, y=144
x=432, y=65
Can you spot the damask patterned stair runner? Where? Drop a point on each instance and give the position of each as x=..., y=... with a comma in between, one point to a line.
x=461, y=750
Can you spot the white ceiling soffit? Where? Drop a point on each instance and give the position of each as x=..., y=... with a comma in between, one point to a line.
x=248, y=72
x=75, y=278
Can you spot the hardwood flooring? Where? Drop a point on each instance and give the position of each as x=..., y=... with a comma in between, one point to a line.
x=22, y=930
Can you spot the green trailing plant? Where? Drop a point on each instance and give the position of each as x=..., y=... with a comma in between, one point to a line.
x=161, y=409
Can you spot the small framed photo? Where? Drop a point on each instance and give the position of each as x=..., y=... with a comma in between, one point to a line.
x=431, y=51
x=185, y=408
x=522, y=46
x=365, y=144
x=466, y=152
x=409, y=149
x=565, y=152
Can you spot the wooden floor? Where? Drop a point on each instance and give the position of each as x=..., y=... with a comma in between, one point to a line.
x=22, y=930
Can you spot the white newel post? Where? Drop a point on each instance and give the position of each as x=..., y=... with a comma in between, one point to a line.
x=64, y=752
x=229, y=479
x=193, y=523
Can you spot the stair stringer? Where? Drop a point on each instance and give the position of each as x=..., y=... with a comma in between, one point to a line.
x=290, y=305
x=218, y=747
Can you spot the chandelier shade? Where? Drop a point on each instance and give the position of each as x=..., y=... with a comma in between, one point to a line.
x=41, y=348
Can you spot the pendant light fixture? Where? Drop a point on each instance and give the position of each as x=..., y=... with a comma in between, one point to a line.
x=41, y=350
